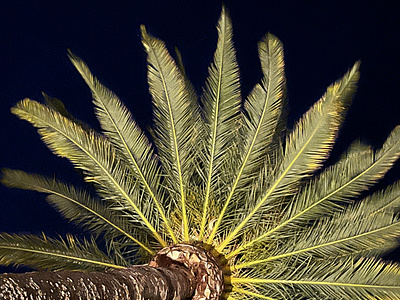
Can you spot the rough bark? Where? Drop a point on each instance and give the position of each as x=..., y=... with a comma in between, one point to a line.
x=207, y=268
x=136, y=282
x=181, y=271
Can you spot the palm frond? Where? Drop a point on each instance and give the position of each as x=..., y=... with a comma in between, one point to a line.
x=354, y=173
x=342, y=235
x=387, y=200
x=91, y=153
x=246, y=294
x=126, y=136
x=309, y=144
x=329, y=279
x=57, y=105
x=306, y=147
x=52, y=254
x=221, y=101
x=357, y=171
x=79, y=207
x=176, y=118
x=264, y=108
x=197, y=135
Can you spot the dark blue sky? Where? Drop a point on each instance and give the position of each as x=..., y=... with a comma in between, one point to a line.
x=321, y=42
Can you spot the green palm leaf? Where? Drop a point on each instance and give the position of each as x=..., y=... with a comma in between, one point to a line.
x=223, y=178
x=264, y=107
x=307, y=146
x=51, y=254
x=89, y=152
x=327, y=279
x=78, y=206
x=176, y=118
x=197, y=136
x=57, y=105
x=358, y=170
x=387, y=200
x=126, y=136
x=343, y=234
x=221, y=100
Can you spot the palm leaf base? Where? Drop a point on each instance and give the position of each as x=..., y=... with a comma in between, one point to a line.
x=207, y=266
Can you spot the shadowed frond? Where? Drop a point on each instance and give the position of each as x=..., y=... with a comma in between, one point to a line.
x=387, y=200
x=176, y=118
x=79, y=207
x=52, y=254
x=307, y=146
x=126, y=136
x=179, y=61
x=57, y=105
x=89, y=152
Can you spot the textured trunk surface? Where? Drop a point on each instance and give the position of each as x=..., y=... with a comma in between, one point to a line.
x=136, y=282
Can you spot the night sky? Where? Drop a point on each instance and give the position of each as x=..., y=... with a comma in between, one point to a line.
x=321, y=42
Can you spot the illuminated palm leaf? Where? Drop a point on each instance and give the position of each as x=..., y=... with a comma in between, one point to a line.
x=51, y=254
x=264, y=108
x=307, y=146
x=176, y=119
x=118, y=124
x=223, y=175
x=81, y=208
x=221, y=102
x=89, y=152
x=324, y=279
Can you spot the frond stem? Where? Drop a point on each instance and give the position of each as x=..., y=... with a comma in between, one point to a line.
x=256, y=262
x=178, y=161
x=243, y=291
x=125, y=195
x=236, y=280
x=240, y=248
x=213, y=233
x=64, y=256
x=269, y=192
x=214, y=136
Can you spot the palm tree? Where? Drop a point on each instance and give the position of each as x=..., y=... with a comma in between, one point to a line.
x=226, y=204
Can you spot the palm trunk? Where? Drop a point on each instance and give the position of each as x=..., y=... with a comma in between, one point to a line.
x=136, y=282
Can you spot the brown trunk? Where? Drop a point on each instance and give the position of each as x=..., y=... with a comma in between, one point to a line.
x=136, y=282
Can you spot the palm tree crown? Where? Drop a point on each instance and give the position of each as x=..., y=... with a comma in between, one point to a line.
x=223, y=173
